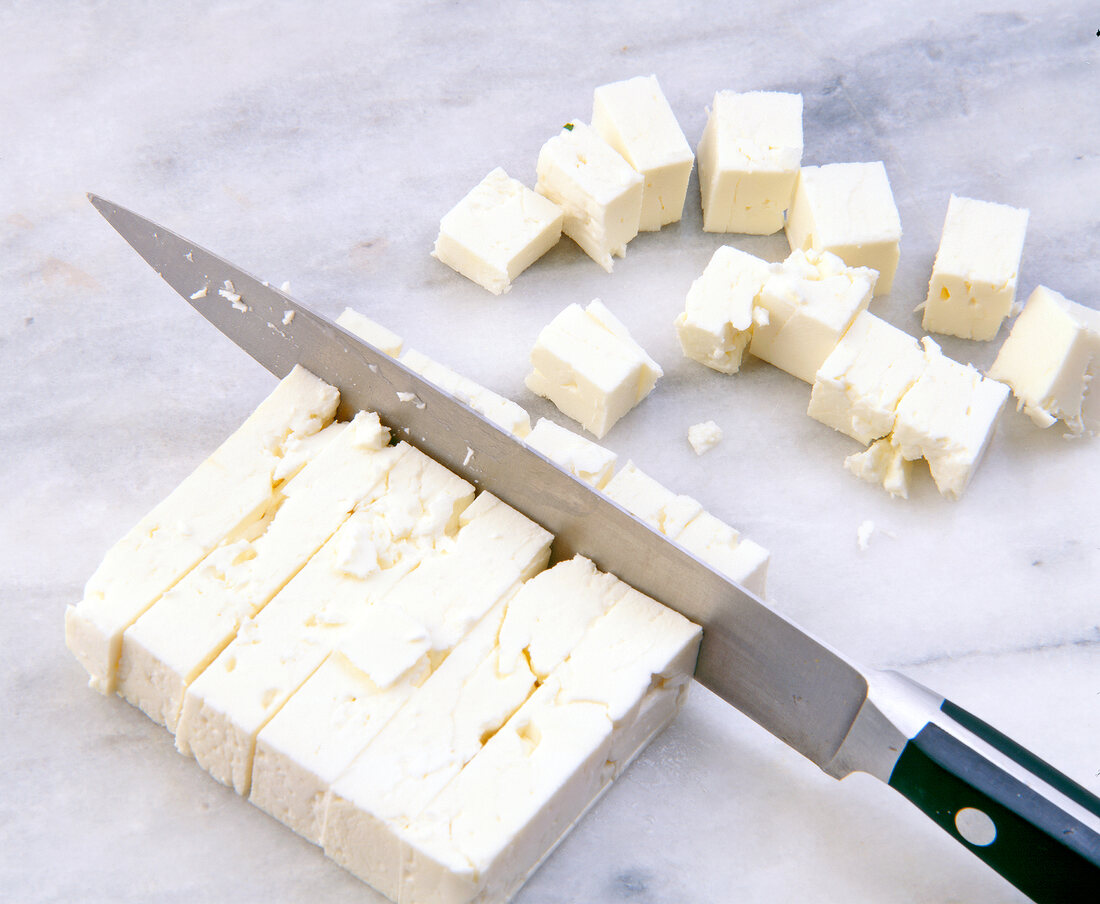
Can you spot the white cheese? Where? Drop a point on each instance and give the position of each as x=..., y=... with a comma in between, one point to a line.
x=598, y=190
x=857, y=388
x=1050, y=358
x=749, y=157
x=704, y=436
x=635, y=119
x=218, y=502
x=586, y=362
x=586, y=460
x=277, y=650
x=649, y=500
x=809, y=301
x=497, y=231
x=715, y=326
x=882, y=463
x=947, y=417
x=973, y=284
x=370, y=332
x=848, y=209
x=165, y=649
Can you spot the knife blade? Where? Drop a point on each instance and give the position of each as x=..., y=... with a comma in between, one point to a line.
x=1036, y=827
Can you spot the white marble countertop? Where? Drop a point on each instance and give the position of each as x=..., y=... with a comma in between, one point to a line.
x=321, y=146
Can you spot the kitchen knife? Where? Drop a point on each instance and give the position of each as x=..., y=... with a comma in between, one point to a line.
x=1033, y=825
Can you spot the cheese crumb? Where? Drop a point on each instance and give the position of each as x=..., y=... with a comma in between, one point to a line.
x=287, y=317
x=201, y=293
x=704, y=437
x=863, y=533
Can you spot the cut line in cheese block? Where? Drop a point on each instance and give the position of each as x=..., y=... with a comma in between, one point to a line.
x=215, y=504
x=182, y=633
x=275, y=652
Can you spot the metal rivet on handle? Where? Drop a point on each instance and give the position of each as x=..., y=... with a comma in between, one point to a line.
x=975, y=827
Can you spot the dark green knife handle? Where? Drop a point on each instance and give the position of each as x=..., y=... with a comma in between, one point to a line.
x=1026, y=835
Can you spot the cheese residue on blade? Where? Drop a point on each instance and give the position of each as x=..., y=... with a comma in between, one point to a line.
x=201, y=293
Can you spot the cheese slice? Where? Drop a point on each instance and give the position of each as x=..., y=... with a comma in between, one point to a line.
x=584, y=459
x=375, y=334
x=217, y=503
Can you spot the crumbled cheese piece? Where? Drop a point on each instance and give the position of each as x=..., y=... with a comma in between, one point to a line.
x=882, y=463
x=857, y=388
x=497, y=231
x=285, y=287
x=201, y=293
x=864, y=532
x=749, y=157
x=848, y=209
x=288, y=316
x=370, y=332
x=219, y=501
x=586, y=362
x=229, y=293
x=716, y=324
x=1050, y=358
x=810, y=300
x=973, y=284
x=598, y=190
x=704, y=437
x=635, y=119
x=586, y=460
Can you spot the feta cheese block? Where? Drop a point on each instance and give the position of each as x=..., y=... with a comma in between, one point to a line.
x=882, y=463
x=334, y=714
x=683, y=520
x=497, y=231
x=973, y=284
x=749, y=157
x=947, y=417
x=586, y=362
x=805, y=307
x=704, y=436
x=370, y=332
x=847, y=209
x=858, y=387
x=716, y=324
x=584, y=459
x=165, y=649
x=491, y=826
x=599, y=192
x=277, y=650
x=635, y=119
x=1050, y=359
x=218, y=503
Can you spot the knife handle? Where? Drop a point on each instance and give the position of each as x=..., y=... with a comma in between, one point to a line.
x=1021, y=816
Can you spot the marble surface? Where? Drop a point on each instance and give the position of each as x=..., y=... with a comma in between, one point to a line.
x=321, y=144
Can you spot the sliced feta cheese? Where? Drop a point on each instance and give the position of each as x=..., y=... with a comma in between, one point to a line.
x=370, y=332
x=333, y=715
x=947, y=417
x=848, y=209
x=635, y=119
x=277, y=650
x=217, y=503
x=598, y=190
x=704, y=437
x=716, y=323
x=497, y=231
x=809, y=302
x=882, y=463
x=503, y=412
x=586, y=362
x=1050, y=358
x=586, y=460
x=857, y=388
x=165, y=649
x=749, y=157
x=651, y=501
x=973, y=284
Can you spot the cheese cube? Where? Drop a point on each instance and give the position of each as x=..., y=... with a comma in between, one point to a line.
x=277, y=650
x=882, y=463
x=804, y=308
x=1050, y=358
x=948, y=417
x=586, y=362
x=716, y=324
x=973, y=284
x=370, y=332
x=857, y=388
x=217, y=503
x=635, y=119
x=704, y=436
x=584, y=459
x=182, y=632
x=848, y=209
x=497, y=231
x=599, y=192
x=748, y=160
